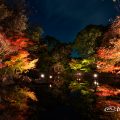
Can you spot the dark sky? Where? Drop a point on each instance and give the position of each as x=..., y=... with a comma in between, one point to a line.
x=63, y=19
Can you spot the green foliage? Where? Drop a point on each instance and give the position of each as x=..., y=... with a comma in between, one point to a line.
x=85, y=65
x=84, y=92
x=76, y=86
x=88, y=40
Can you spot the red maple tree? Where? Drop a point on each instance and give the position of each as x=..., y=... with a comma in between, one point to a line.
x=109, y=53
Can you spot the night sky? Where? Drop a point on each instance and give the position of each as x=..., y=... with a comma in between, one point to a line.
x=63, y=19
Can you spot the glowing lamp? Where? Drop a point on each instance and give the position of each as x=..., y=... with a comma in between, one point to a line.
x=95, y=75
x=50, y=85
x=42, y=76
x=50, y=76
x=96, y=83
x=98, y=66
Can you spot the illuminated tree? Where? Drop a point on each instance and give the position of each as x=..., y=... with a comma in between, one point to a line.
x=13, y=55
x=85, y=65
x=20, y=63
x=15, y=58
x=109, y=52
x=88, y=40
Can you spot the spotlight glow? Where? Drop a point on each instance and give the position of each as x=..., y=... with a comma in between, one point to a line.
x=95, y=75
x=50, y=76
x=50, y=86
x=96, y=83
x=42, y=76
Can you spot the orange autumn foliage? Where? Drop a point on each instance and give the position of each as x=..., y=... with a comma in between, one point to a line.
x=106, y=90
x=13, y=54
x=109, y=54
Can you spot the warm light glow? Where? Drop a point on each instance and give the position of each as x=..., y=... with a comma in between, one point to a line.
x=50, y=76
x=98, y=66
x=95, y=75
x=42, y=76
x=96, y=83
x=50, y=85
x=79, y=74
x=78, y=79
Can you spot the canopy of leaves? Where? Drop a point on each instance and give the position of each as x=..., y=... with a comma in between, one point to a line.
x=109, y=53
x=14, y=56
x=83, y=65
x=88, y=39
x=81, y=87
